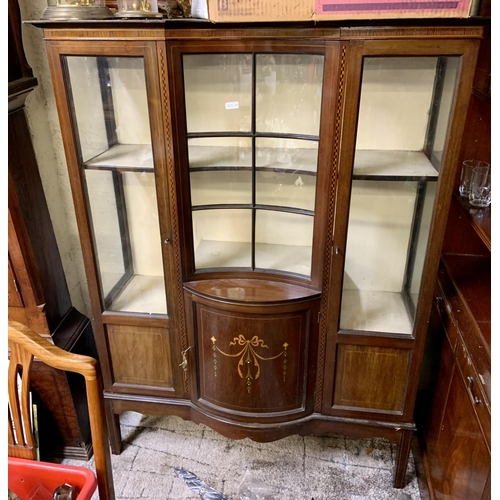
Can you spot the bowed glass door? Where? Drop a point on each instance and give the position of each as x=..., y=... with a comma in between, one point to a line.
x=253, y=135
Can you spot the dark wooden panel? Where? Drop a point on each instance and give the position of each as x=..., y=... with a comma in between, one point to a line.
x=28, y=207
x=252, y=362
x=371, y=377
x=468, y=230
x=462, y=463
x=140, y=355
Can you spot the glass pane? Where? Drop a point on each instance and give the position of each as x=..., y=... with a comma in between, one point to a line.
x=228, y=152
x=220, y=170
x=286, y=172
x=218, y=92
x=216, y=187
x=445, y=91
x=109, y=102
x=378, y=238
x=288, y=93
x=110, y=106
x=283, y=241
x=125, y=223
x=405, y=106
x=222, y=238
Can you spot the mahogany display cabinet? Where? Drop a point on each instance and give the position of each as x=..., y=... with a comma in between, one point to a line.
x=261, y=212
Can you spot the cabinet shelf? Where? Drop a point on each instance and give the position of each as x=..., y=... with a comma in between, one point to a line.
x=375, y=311
x=142, y=294
x=368, y=164
x=291, y=258
x=392, y=165
x=302, y=161
x=125, y=158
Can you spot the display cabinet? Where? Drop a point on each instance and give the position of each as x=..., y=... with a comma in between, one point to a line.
x=261, y=213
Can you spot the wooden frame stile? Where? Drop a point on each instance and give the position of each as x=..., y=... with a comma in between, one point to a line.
x=172, y=223
x=403, y=426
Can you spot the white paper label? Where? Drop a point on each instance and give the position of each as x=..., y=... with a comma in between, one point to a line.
x=232, y=105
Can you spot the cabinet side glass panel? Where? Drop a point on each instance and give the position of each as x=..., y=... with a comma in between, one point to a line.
x=393, y=191
x=110, y=111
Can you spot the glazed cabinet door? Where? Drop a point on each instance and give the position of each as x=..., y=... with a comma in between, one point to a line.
x=112, y=122
x=253, y=123
x=398, y=158
x=253, y=139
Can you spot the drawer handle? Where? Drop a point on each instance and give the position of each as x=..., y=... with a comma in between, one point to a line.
x=470, y=383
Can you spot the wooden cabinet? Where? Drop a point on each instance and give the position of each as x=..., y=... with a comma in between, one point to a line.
x=38, y=295
x=453, y=410
x=261, y=212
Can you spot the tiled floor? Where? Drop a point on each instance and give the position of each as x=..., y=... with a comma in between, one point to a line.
x=298, y=468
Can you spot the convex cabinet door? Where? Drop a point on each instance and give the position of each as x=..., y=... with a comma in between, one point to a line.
x=397, y=167
x=255, y=148
x=110, y=94
x=254, y=141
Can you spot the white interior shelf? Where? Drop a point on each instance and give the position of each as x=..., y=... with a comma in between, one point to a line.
x=124, y=156
x=393, y=163
x=290, y=258
x=142, y=294
x=374, y=311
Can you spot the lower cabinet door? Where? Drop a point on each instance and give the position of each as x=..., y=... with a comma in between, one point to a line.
x=371, y=377
x=456, y=452
x=255, y=361
x=460, y=467
x=141, y=358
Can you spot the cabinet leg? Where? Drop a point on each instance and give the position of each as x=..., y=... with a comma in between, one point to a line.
x=115, y=437
x=402, y=456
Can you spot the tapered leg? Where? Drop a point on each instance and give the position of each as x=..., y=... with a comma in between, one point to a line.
x=113, y=420
x=402, y=456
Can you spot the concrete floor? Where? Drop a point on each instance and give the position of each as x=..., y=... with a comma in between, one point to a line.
x=330, y=467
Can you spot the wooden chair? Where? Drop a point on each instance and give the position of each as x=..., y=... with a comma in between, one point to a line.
x=24, y=344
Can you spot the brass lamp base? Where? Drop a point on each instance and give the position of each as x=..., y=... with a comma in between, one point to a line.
x=138, y=14
x=73, y=12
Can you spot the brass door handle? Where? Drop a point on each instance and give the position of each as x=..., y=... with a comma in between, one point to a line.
x=184, y=363
x=470, y=383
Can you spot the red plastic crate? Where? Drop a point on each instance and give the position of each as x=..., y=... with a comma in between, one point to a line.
x=32, y=480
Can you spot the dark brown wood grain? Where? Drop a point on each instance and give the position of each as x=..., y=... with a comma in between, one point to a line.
x=461, y=463
x=455, y=396
x=141, y=355
x=371, y=377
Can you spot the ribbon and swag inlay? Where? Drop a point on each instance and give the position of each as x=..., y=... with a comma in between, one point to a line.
x=249, y=357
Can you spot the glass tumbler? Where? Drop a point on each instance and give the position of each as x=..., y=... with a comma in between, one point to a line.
x=466, y=175
x=480, y=187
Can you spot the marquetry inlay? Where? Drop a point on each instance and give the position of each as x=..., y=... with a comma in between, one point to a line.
x=249, y=357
